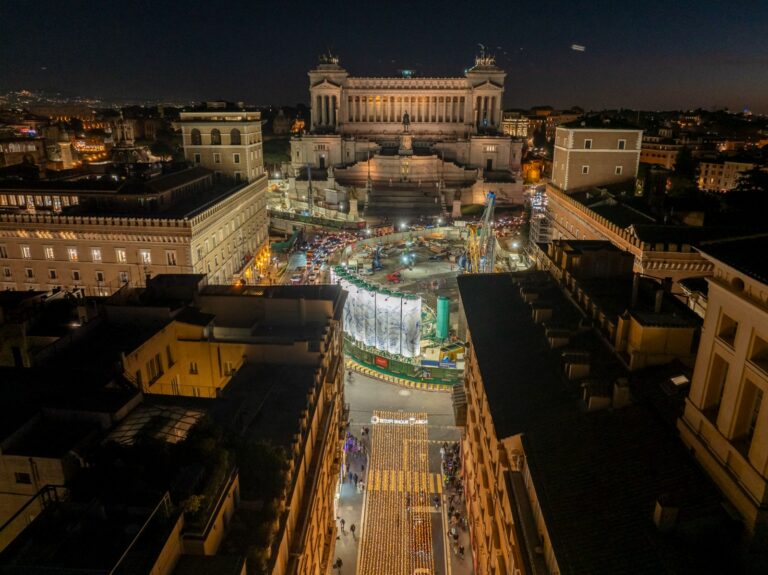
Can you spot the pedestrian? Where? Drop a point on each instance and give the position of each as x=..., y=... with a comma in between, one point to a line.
x=356, y=478
x=461, y=552
x=362, y=468
x=342, y=522
x=349, y=475
x=352, y=530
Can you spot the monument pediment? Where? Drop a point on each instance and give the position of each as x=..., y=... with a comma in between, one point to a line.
x=489, y=84
x=325, y=82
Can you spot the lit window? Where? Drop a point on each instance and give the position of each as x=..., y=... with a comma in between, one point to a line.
x=584, y=169
x=145, y=257
x=26, y=252
x=96, y=254
x=49, y=255
x=72, y=254
x=121, y=255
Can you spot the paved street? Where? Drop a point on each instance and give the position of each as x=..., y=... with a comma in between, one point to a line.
x=403, y=467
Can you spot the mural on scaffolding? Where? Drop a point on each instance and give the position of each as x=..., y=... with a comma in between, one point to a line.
x=386, y=320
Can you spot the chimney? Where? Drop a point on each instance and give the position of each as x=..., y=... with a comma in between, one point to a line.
x=665, y=513
x=620, y=393
x=635, y=289
x=659, y=300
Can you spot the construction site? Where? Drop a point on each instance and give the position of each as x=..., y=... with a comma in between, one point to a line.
x=402, y=310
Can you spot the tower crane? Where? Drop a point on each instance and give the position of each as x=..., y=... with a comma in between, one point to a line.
x=481, y=240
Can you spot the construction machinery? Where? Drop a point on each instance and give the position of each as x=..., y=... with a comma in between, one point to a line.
x=481, y=241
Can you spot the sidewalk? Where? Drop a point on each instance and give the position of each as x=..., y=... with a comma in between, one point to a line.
x=350, y=509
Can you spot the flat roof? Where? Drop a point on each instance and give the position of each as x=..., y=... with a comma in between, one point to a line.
x=516, y=370
x=264, y=401
x=52, y=438
x=747, y=255
x=598, y=476
x=315, y=292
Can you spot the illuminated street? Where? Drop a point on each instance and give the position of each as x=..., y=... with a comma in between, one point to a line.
x=397, y=525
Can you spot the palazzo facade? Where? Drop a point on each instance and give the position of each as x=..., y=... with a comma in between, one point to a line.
x=453, y=125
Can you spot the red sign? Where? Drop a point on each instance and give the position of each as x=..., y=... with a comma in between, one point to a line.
x=381, y=361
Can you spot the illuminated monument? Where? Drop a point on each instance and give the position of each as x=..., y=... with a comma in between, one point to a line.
x=436, y=134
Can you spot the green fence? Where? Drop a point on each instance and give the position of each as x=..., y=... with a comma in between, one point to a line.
x=391, y=365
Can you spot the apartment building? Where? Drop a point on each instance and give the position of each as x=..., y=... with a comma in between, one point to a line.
x=226, y=139
x=722, y=175
x=595, y=151
x=97, y=236
x=555, y=481
x=725, y=422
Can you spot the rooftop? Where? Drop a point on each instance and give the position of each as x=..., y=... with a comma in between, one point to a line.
x=599, y=122
x=264, y=402
x=598, y=476
x=517, y=377
x=746, y=254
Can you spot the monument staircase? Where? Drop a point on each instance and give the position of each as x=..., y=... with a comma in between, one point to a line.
x=404, y=200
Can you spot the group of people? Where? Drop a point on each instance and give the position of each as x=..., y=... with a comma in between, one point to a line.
x=357, y=454
x=451, y=466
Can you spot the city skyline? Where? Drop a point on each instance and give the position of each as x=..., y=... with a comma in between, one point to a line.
x=642, y=56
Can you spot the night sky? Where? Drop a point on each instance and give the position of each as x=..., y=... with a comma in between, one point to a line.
x=650, y=55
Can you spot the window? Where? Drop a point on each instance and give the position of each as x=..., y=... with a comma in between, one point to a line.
x=718, y=372
x=99, y=277
x=748, y=411
x=7, y=273
x=96, y=254
x=145, y=257
x=170, y=258
x=584, y=169
x=490, y=148
x=3, y=252
x=48, y=251
x=727, y=330
x=228, y=368
x=26, y=252
x=193, y=367
x=217, y=158
x=23, y=478
x=121, y=255
x=28, y=273
x=215, y=137
x=76, y=275
x=169, y=355
x=197, y=140
x=236, y=158
x=52, y=274
x=587, y=144
x=234, y=137
x=199, y=253
x=72, y=254
x=197, y=158
x=618, y=170
x=759, y=354
x=238, y=177
x=622, y=144
x=123, y=277
x=154, y=368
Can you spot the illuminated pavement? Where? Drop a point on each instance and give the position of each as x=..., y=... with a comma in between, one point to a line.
x=383, y=502
x=397, y=523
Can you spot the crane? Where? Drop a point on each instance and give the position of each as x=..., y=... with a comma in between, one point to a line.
x=481, y=240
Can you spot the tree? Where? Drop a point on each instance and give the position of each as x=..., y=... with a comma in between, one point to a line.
x=749, y=199
x=685, y=164
x=161, y=149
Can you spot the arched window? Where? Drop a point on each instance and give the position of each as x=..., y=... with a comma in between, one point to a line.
x=234, y=137
x=196, y=139
x=215, y=137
